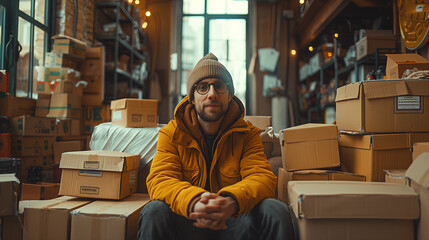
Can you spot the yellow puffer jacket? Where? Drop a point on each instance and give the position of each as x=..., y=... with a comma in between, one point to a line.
x=239, y=167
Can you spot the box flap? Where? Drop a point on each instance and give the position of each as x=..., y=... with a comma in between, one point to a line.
x=390, y=141
x=118, y=104
x=68, y=37
x=418, y=87
x=419, y=148
x=103, y=160
x=357, y=200
x=406, y=57
x=121, y=208
x=384, y=88
x=349, y=91
x=10, y=177
x=39, y=204
x=310, y=132
x=419, y=170
x=355, y=141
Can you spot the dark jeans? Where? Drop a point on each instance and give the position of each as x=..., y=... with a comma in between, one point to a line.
x=270, y=219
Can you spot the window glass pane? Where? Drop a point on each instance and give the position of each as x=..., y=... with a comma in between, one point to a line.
x=40, y=11
x=193, y=6
x=192, y=46
x=39, y=47
x=227, y=7
x=24, y=58
x=25, y=6
x=227, y=40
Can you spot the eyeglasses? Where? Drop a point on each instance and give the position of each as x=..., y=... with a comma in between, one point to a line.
x=204, y=87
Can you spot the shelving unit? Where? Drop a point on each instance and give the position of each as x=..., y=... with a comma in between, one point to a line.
x=118, y=44
x=321, y=18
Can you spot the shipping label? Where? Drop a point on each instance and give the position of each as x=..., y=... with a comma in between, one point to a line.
x=408, y=103
x=89, y=190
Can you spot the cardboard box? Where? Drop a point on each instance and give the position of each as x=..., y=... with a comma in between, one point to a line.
x=69, y=45
x=384, y=106
x=23, y=146
x=42, y=105
x=129, y=112
x=94, y=115
x=11, y=106
x=49, y=80
x=353, y=210
x=53, y=59
x=4, y=81
x=267, y=142
x=309, y=146
x=33, y=126
x=9, y=189
x=61, y=147
x=311, y=175
x=39, y=191
x=99, y=174
x=92, y=70
x=49, y=219
x=418, y=173
x=63, y=127
x=261, y=122
x=368, y=44
x=32, y=167
x=5, y=147
x=419, y=148
x=397, y=64
x=65, y=105
x=395, y=176
x=94, y=220
x=370, y=155
x=10, y=228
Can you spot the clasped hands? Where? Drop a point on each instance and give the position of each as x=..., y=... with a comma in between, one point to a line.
x=212, y=211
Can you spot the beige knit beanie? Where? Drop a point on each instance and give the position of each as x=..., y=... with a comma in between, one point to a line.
x=209, y=67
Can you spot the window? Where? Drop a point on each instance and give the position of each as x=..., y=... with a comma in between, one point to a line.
x=27, y=38
x=220, y=27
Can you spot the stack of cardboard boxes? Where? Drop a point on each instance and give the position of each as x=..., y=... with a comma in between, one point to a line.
x=10, y=227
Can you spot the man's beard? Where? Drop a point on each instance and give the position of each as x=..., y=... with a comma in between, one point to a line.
x=210, y=117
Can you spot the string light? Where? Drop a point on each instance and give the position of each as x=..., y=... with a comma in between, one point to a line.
x=329, y=54
x=144, y=25
x=336, y=35
x=130, y=1
x=301, y=2
x=310, y=48
x=293, y=52
x=137, y=2
x=148, y=13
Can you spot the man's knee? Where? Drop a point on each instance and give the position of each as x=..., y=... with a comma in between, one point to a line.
x=275, y=210
x=155, y=209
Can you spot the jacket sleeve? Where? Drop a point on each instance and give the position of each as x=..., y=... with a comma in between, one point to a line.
x=165, y=180
x=258, y=181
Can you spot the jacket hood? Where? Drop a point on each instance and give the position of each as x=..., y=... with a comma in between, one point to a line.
x=186, y=117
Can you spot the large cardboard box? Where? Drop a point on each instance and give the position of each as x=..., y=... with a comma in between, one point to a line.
x=353, y=210
x=23, y=146
x=311, y=175
x=94, y=115
x=5, y=147
x=261, y=122
x=39, y=191
x=130, y=112
x=370, y=155
x=10, y=228
x=61, y=147
x=33, y=126
x=11, y=106
x=69, y=45
x=65, y=105
x=418, y=173
x=53, y=59
x=32, y=167
x=9, y=189
x=384, y=106
x=309, y=146
x=419, y=148
x=99, y=174
x=42, y=105
x=97, y=219
x=49, y=219
x=398, y=63
x=368, y=44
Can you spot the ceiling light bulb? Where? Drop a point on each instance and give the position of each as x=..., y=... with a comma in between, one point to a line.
x=148, y=13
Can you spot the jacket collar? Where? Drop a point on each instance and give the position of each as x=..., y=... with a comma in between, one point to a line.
x=187, y=122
